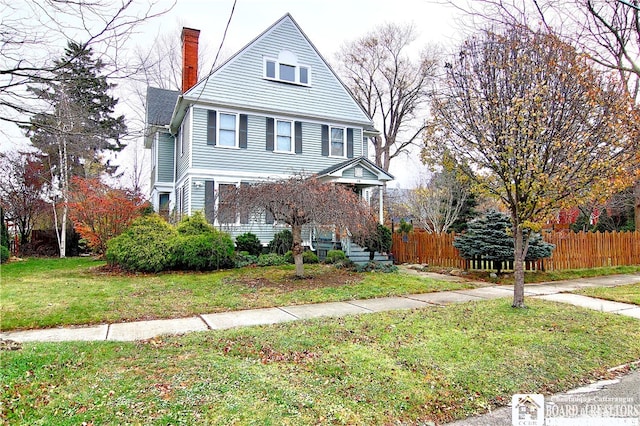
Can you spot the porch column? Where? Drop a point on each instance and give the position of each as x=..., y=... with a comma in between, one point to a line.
x=381, y=206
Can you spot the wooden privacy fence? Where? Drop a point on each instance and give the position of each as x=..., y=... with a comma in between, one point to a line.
x=573, y=250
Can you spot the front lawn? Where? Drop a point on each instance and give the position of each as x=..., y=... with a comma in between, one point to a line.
x=624, y=293
x=404, y=367
x=40, y=293
x=531, y=277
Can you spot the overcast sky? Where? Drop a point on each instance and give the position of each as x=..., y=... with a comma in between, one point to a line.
x=327, y=23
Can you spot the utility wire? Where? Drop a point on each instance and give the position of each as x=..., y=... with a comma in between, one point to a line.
x=215, y=61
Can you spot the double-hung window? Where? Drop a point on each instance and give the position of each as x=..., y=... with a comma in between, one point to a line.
x=228, y=130
x=337, y=142
x=283, y=139
x=287, y=69
x=226, y=206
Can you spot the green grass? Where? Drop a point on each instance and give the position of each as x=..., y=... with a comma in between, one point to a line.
x=542, y=276
x=624, y=293
x=40, y=293
x=433, y=364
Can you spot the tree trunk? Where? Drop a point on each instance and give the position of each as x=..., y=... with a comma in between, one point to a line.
x=518, y=266
x=636, y=192
x=296, y=231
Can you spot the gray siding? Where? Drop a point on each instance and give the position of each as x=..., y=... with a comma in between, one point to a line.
x=365, y=146
x=184, y=156
x=197, y=197
x=240, y=82
x=166, y=156
x=366, y=174
x=255, y=158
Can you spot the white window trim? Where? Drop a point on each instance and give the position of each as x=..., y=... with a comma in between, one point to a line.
x=297, y=67
x=219, y=127
x=292, y=145
x=344, y=141
x=181, y=141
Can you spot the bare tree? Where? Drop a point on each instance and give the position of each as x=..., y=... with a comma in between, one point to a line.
x=300, y=201
x=33, y=31
x=436, y=204
x=390, y=86
x=534, y=125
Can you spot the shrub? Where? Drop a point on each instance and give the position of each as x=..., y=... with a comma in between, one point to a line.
x=335, y=256
x=250, y=243
x=243, y=259
x=377, y=267
x=204, y=252
x=201, y=247
x=271, y=259
x=282, y=242
x=4, y=254
x=490, y=238
x=308, y=257
x=195, y=224
x=145, y=246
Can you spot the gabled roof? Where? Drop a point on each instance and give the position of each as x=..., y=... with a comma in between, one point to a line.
x=160, y=105
x=337, y=170
x=318, y=101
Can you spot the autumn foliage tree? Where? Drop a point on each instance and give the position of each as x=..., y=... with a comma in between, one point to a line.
x=22, y=185
x=300, y=201
x=100, y=212
x=531, y=123
x=606, y=31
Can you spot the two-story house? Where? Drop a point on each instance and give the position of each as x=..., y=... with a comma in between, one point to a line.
x=274, y=109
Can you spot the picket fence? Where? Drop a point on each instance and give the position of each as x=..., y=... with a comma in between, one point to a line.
x=573, y=251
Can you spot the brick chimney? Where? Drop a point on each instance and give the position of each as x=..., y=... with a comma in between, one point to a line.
x=189, y=58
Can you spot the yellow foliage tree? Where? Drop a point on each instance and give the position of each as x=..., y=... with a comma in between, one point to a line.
x=532, y=123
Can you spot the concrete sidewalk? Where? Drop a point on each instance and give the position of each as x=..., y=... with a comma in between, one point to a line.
x=139, y=330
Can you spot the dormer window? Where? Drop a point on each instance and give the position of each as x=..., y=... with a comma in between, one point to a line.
x=286, y=69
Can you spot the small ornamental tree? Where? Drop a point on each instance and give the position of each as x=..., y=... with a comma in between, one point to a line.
x=491, y=238
x=300, y=201
x=529, y=121
x=378, y=241
x=21, y=190
x=282, y=242
x=100, y=212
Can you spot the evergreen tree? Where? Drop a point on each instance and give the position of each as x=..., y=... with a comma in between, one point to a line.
x=79, y=127
x=81, y=116
x=491, y=238
x=378, y=241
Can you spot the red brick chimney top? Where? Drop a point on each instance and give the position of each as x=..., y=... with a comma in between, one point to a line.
x=189, y=58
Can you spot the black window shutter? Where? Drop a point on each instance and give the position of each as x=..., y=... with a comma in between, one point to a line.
x=209, y=201
x=211, y=127
x=298, y=132
x=270, y=130
x=243, y=131
x=349, y=143
x=325, y=140
x=268, y=217
x=244, y=213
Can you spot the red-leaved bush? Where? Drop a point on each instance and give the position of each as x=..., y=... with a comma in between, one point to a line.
x=100, y=212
